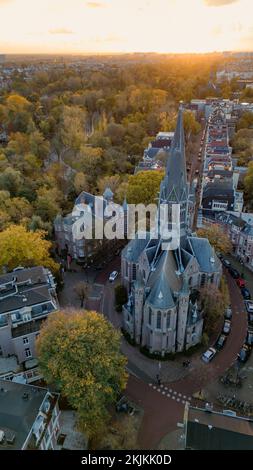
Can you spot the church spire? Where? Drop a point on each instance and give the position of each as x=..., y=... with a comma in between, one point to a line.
x=176, y=164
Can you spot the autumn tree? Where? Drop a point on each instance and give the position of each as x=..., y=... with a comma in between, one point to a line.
x=214, y=310
x=18, y=246
x=217, y=238
x=82, y=290
x=79, y=351
x=144, y=187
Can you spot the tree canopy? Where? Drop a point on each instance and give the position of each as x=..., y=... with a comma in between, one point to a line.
x=79, y=351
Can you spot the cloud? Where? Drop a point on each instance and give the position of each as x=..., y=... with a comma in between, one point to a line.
x=95, y=5
x=60, y=31
x=218, y=3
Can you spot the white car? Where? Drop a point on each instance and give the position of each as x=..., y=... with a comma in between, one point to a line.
x=249, y=306
x=209, y=355
x=113, y=276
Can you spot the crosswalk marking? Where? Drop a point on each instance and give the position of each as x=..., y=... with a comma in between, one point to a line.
x=173, y=394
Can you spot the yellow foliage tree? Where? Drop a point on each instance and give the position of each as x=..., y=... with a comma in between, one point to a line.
x=79, y=351
x=217, y=237
x=18, y=247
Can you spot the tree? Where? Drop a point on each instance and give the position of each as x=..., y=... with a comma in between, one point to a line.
x=79, y=351
x=80, y=182
x=10, y=180
x=81, y=289
x=248, y=184
x=217, y=237
x=144, y=187
x=18, y=246
x=213, y=310
x=111, y=182
x=191, y=126
x=120, y=297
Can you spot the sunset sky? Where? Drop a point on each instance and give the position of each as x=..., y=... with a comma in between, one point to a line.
x=79, y=26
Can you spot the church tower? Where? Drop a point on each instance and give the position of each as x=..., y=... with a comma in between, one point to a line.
x=174, y=187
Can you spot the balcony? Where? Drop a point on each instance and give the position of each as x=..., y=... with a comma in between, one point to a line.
x=27, y=328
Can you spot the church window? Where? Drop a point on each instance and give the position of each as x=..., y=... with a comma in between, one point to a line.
x=134, y=272
x=190, y=281
x=168, y=321
x=158, y=320
x=203, y=280
x=143, y=274
x=212, y=278
x=150, y=316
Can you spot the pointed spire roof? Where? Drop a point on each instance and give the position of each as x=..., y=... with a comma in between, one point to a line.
x=161, y=295
x=176, y=164
x=108, y=194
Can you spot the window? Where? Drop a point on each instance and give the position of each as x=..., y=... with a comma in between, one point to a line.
x=28, y=352
x=1, y=351
x=168, y=321
x=203, y=280
x=212, y=278
x=190, y=281
x=134, y=272
x=25, y=340
x=158, y=320
x=150, y=316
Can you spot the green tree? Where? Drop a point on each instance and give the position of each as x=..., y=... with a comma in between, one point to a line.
x=10, y=180
x=79, y=351
x=144, y=187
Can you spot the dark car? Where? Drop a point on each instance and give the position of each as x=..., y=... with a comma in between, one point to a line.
x=234, y=273
x=249, y=338
x=221, y=342
x=249, y=306
x=244, y=353
x=245, y=293
x=250, y=318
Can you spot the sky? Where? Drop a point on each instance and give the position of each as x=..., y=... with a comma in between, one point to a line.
x=79, y=26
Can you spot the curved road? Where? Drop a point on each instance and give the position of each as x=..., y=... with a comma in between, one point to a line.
x=164, y=409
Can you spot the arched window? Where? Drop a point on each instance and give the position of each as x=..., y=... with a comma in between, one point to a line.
x=190, y=281
x=158, y=320
x=150, y=316
x=168, y=320
x=203, y=280
x=212, y=278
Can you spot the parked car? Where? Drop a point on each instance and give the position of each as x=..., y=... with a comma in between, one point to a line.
x=113, y=276
x=228, y=313
x=244, y=353
x=221, y=342
x=240, y=282
x=209, y=355
x=249, y=337
x=225, y=262
x=234, y=273
x=249, y=306
x=245, y=293
x=226, y=327
x=250, y=319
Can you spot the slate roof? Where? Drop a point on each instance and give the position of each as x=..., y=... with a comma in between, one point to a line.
x=16, y=414
x=217, y=431
x=134, y=248
x=204, y=254
x=164, y=280
x=31, y=293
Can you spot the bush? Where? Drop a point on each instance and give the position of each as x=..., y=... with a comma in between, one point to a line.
x=120, y=297
x=128, y=337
